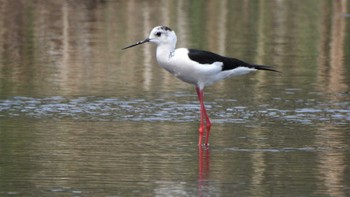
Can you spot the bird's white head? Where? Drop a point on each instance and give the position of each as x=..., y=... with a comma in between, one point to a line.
x=160, y=35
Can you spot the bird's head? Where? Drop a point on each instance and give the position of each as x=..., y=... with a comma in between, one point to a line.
x=160, y=35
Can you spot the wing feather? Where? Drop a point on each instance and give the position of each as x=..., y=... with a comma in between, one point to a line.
x=228, y=63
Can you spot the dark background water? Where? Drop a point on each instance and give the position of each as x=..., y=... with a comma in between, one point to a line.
x=80, y=117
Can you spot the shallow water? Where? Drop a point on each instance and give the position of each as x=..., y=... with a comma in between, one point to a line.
x=184, y=109
x=80, y=117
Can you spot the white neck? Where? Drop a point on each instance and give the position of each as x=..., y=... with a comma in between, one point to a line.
x=165, y=52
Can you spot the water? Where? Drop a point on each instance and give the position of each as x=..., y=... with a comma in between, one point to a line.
x=80, y=117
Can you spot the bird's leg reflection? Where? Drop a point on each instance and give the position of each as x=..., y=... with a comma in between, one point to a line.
x=203, y=170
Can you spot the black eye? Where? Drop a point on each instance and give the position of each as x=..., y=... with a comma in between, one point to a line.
x=158, y=34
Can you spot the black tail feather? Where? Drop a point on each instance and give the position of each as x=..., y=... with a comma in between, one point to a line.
x=262, y=67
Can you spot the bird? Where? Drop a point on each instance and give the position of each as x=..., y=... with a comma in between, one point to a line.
x=198, y=67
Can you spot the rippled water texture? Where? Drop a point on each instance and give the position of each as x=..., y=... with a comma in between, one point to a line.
x=80, y=117
x=307, y=111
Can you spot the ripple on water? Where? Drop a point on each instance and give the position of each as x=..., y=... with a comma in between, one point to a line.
x=97, y=108
x=285, y=149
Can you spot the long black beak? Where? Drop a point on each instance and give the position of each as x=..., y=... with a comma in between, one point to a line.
x=137, y=43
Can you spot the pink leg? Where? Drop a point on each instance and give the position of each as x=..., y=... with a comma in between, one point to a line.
x=203, y=115
x=201, y=124
x=208, y=125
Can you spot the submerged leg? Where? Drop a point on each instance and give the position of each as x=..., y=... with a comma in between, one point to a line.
x=203, y=115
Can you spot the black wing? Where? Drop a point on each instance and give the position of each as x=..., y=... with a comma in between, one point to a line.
x=206, y=57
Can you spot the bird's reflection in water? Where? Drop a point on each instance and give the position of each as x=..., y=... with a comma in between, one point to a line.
x=203, y=171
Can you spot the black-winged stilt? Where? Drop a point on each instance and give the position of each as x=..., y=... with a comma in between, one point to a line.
x=197, y=67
